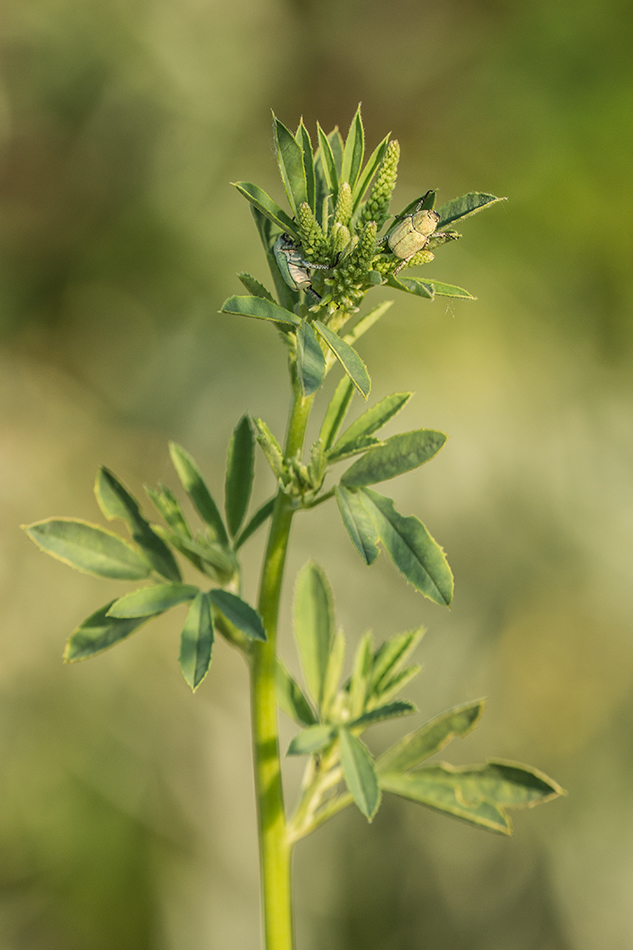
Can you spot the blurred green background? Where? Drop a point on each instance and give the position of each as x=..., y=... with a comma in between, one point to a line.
x=126, y=815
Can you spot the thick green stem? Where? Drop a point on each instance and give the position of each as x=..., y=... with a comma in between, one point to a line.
x=273, y=839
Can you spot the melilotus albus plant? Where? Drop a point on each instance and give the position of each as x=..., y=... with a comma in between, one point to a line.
x=337, y=242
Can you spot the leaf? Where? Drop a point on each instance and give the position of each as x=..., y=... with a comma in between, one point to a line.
x=354, y=151
x=311, y=740
x=447, y=290
x=333, y=672
x=88, y=548
x=313, y=625
x=259, y=308
x=411, y=285
x=266, y=206
x=336, y=144
x=389, y=711
x=371, y=421
x=168, y=506
x=260, y=516
x=268, y=234
x=366, y=323
x=355, y=448
x=303, y=138
x=437, y=789
x=290, y=697
x=401, y=453
x=327, y=161
x=395, y=684
x=336, y=412
x=149, y=601
x=428, y=203
x=310, y=359
x=411, y=547
x=431, y=738
x=197, y=489
x=240, y=469
x=463, y=207
x=270, y=447
x=361, y=673
x=391, y=655
x=358, y=523
x=428, y=289
x=201, y=548
x=348, y=358
x=97, y=633
x=368, y=172
x=254, y=287
x=116, y=502
x=290, y=161
x=196, y=641
x=478, y=794
x=359, y=773
x=239, y=613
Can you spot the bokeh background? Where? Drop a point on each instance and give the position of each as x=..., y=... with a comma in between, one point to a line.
x=126, y=815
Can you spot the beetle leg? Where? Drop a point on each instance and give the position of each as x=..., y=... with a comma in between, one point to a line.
x=405, y=261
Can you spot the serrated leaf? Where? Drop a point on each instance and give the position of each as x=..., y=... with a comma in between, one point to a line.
x=268, y=234
x=313, y=625
x=414, y=552
x=266, y=206
x=116, y=502
x=291, y=167
x=369, y=422
x=510, y=784
x=88, y=548
x=366, y=323
x=391, y=655
x=358, y=523
x=310, y=359
x=254, y=287
x=428, y=203
x=149, y=601
x=360, y=676
x=327, y=161
x=354, y=151
x=270, y=447
x=336, y=144
x=240, y=469
x=354, y=448
x=239, y=613
x=291, y=698
x=370, y=169
x=259, y=309
x=311, y=740
x=333, y=672
x=432, y=737
x=336, y=411
x=198, y=490
x=168, y=506
x=448, y=290
x=397, y=455
x=381, y=713
x=201, y=549
x=196, y=641
x=437, y=789
x=303, y=138
x=463, y=207
x=348, y=358
x=97, y=633
x=258, y=519
x=411, y=285
x=395, y=684
x=359, y=773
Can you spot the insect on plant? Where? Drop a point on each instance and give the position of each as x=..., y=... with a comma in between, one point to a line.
x=338, y=205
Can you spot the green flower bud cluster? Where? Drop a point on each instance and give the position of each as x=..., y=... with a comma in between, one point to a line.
x=350, y=278
x=344, y=206
x=377, y=205
x=316, y=247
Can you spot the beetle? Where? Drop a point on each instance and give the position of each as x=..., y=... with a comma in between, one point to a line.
x=412, y=232
x=294, y=269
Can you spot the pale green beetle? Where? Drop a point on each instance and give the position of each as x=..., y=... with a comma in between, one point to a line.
x=294, y=269
x=411, y=233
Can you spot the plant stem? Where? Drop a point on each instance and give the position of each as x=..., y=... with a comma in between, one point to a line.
x=273, y=839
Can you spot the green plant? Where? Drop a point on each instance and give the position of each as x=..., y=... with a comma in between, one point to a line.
x=323, y=257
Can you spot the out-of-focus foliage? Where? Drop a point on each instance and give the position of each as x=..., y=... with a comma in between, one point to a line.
x=126, y=805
